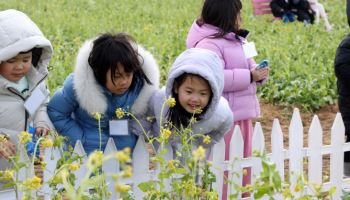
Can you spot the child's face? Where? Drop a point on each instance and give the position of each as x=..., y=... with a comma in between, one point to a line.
x=17, y=67
x=122, y=80
x=194, y=93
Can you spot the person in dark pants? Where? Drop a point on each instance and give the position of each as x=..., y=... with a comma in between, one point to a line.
x=342, y=72
x=289, y=9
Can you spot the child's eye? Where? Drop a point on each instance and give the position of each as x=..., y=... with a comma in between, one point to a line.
x=188, y=92
x=204, y=94
x=26, y=60
x=11, y=61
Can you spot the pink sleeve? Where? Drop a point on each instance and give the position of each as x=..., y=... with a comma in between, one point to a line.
x=236, y=79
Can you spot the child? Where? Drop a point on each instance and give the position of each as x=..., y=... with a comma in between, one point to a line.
x=24, y=57
x=195, y=81
x=286, y=9
x=111, y=72
x=218, y=29
x=342, y=72
x=319, y=10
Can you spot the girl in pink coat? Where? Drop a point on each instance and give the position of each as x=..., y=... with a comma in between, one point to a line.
x=218, y=29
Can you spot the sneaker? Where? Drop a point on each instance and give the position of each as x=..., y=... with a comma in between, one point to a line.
x=285, y=18
x=291, y=17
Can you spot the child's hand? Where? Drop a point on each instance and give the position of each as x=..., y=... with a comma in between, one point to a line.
x=7, y=149
x=39, y=131
x=260, y=74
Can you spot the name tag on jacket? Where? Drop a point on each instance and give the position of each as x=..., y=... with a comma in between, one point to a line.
x=33, y=102
x=119, y=127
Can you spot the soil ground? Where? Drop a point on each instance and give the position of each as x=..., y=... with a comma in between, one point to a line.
x=326, y=116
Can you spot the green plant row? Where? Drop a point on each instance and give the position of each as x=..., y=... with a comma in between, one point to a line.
x=301, y=58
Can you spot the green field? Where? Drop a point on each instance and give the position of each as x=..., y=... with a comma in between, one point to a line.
x=301, y=58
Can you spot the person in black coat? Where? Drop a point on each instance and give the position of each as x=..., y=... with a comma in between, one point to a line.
x=287, y=9
x=342, y=72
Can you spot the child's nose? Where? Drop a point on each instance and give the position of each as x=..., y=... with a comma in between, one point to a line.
x=18, y=66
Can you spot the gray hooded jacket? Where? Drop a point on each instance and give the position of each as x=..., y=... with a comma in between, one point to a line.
x=218, y=117
x=18, y=33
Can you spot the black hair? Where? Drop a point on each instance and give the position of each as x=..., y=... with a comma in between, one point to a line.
x=109, y=50
x=177, y=115
x=223, y=14
x=36, y=54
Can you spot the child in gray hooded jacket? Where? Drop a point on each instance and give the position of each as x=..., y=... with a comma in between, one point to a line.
x=24, y=57
x=195, y=81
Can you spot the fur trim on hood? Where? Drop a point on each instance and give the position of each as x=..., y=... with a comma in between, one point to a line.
x=90, y=94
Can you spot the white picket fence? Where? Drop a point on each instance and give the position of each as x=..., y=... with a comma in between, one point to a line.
x=295, y=155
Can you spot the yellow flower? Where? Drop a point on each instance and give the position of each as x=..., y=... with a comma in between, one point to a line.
x=3, y=138
x=122, y=156
x=206, y=139
x=96, y=115
x=165, y=133
x=198, y=111
x=172, y=164
x=127, y=172
x=199, y=154
x=46, y=143
x=24, y=137
x=43, y=165
x=171, y=102
x=33, y=184
x=297, y=188
x=119, y=113
x=94, y=160
x=7, y=175
x=122, y=188
x=74, y=166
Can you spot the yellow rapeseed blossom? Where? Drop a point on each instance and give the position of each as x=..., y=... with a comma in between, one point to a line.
x=122, y=188
x=46, y=143
x=165, y=133
x=297, y=188
x=33, y=184
x=94, y=160
x=3, y=138
x=127, y=172
x=198, y=110
x=24, y=137
x=206, y=139
x=171, y=102
x=172, y=164
x=96, y=115
x=74, y=166
x=43, y=165
x=199, y=153
x=8, y=175
x=122, y=156
x=119, y=113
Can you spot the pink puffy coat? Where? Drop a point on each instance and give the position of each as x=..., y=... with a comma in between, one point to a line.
x=238, y=90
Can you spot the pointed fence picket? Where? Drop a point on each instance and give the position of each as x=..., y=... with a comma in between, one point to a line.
x=295, y=154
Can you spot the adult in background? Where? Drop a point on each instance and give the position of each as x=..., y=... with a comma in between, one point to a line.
x=289, y=9
x=342, y=72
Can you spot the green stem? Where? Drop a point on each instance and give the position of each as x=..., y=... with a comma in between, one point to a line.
x=100, y=133
x=35, y=147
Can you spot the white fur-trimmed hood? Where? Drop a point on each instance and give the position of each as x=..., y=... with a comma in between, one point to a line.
x=90, y=94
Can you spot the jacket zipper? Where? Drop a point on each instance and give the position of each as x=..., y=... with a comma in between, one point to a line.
x=26, y=116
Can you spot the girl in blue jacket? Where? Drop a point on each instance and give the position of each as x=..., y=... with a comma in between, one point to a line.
x=111, y=72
